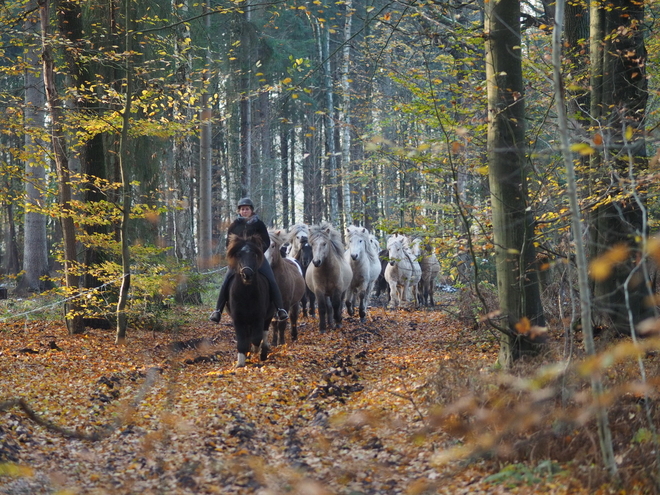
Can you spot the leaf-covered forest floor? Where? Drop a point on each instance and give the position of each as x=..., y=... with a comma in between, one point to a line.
x=352, y=411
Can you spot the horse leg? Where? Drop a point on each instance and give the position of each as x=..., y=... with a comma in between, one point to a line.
x=274, y=338
x=293, y=317
x=363, y=309
x=262, y=343
x=303, y=303
x=394, y=294
x=350, y=302
x=281, y=327
x=323, y=309
x=338, y=307
x=242, y=345
x=312, y=304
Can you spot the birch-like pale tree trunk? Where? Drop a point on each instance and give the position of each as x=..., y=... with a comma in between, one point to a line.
x=35, y=245
x=126, y=197
x=345, y=114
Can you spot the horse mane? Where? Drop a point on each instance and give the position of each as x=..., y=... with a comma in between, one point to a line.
x=327, y=231
x=237, y=242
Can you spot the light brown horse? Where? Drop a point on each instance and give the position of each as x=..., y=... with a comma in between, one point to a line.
x=430, y=269
x=289, y=278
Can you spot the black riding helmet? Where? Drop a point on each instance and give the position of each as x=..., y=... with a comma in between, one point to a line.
x=246, y=202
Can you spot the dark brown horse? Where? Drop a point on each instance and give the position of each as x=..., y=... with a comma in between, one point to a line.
x=250, y=306
x=290, y=280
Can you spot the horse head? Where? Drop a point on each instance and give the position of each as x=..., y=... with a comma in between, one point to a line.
x=306, y=255
x=358, y=241
x=297, y=237
x=325, y=242
x=245, y=256
x=395, y=247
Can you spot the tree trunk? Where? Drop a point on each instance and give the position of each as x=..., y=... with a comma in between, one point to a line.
x=205, y=226
x=91, y=158
x=619, y=99
x=246, y=108
x=513, y=227
x=329, y=127
x=604, y=431
x=285, y=131
x=74, y=320
x=35, y=245
x=345, y=114
x=126, y=198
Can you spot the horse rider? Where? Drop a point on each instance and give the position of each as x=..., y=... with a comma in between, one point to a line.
x=246, y=224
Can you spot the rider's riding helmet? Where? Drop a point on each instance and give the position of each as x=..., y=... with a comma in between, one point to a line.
x=246, y=202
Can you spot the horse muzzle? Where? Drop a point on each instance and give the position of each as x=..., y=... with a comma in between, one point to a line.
x=391, y=262
x=354, y=256
x=316, y=263
x=247, y=274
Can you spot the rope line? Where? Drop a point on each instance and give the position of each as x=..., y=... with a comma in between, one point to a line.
x=52, y=305
x=85, y=293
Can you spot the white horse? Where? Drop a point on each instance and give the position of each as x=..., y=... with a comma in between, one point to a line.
x=403, y=270
x=430, y=270
x=362, y=255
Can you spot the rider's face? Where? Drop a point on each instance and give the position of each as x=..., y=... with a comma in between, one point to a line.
x=245, y=211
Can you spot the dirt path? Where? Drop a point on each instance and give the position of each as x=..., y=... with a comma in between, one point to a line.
x=344, y=412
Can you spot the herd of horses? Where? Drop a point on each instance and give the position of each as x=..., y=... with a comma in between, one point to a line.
x=313, y=267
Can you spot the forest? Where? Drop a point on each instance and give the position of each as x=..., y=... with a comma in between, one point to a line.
x=516, y=140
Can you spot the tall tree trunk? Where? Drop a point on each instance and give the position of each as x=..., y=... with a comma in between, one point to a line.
x=205, y=226
x=604, y=431
x=292, y=171
x=246, y=107
x=126, y=197
x=618, y=103
x=267, y=171
x=91, y=158
x=513, y=227
x=183, y=166
x=329, y=127
x=345, y=114
x=285, y=131
x=35, y=246
x=74, y=320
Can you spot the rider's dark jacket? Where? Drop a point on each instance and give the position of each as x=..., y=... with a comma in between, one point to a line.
x=250, y=226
